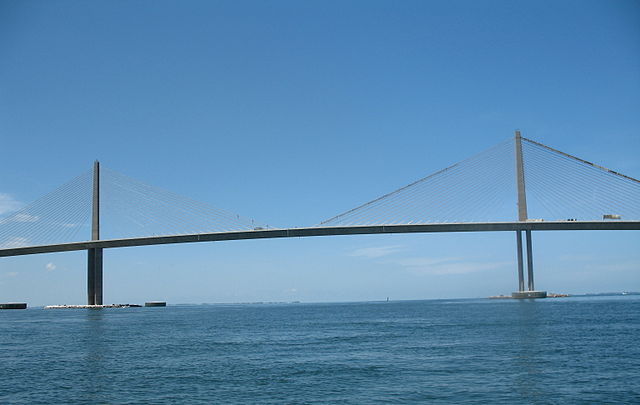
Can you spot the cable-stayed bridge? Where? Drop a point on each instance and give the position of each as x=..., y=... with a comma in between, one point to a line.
x=518, y=185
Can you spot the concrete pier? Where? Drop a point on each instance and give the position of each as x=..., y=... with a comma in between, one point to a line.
x=155, y=304
x=92, y=306
x=529, y=294
x=13, y=305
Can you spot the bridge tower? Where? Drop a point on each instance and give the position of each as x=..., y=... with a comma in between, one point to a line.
x=94, y=262
x=522, y=218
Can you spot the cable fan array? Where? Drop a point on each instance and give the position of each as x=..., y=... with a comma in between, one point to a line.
x=61, y=216
x=563, y=187
x=483, y=189
x=128, y=209
x=479, y=189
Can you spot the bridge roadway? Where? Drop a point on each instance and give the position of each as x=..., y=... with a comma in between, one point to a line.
x=328, y=231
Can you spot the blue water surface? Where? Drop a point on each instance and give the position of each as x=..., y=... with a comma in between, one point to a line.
x=553, y=351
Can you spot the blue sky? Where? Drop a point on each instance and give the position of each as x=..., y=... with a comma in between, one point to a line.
x=291, y=112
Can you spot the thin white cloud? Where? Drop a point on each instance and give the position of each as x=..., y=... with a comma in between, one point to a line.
x=374, y=252
x=427, y=261
x=22, y=217
x=11, y=274
x=577, y=258
x=50, y=267
x=447, y=266
x=8, y=204
x=14, y=242
x=621, y=266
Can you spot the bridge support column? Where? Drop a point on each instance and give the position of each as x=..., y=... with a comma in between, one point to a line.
x=530, y=292
x=529, y=261
x=520, y=265
x=94, y=255
x=91, y=276
x=522, y=217
x=94, y=277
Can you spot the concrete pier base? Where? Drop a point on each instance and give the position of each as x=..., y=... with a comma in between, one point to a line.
x=92, y=306
x=155, y=304
x=529, y=294
x=14, y=305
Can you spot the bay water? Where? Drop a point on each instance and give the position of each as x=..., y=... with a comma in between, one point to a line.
x=552, y=351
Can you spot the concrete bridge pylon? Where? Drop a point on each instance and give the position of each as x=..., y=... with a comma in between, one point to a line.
x=94, y=255
x=530, y=292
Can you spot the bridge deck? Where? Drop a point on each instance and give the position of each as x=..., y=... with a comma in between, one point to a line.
x=328, y=231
